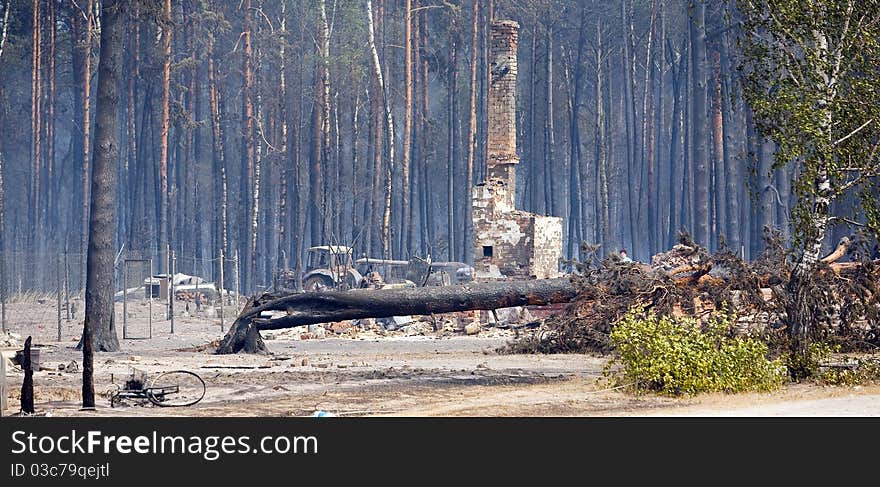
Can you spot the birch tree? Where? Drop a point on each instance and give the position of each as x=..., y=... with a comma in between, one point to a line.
x=810, y=72
x=389, y=122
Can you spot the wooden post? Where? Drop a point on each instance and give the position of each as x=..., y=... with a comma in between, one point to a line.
x=237, y=282
x=125, y=299
x=66, y=283
x=58, y=294
x=221, y=289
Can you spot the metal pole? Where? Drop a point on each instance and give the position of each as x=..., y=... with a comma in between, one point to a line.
x=168, y=276
x=171, y=292
x=58, y=294
x=151, y=300
x=221, y=289
x=124, y=299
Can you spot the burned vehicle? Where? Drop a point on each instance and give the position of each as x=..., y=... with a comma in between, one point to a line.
x=326, y=267
x=332, y=267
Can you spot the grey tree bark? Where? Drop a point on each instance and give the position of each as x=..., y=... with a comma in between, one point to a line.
x=99, y=332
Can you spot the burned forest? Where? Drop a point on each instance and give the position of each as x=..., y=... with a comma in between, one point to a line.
x=234, y=185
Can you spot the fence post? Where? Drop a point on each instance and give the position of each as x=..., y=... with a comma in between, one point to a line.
x=66, y=283
x=221, y=289
x=237, y=282
x=125, y=299
x=58, y=293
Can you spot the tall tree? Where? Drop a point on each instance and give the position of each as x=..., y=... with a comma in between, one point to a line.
x=810, y=72
x=99, y=332
x=167, y=28
x=389, y=122
x=36, y=124
x=467, y=241
x=406, y=221
x=700, y=123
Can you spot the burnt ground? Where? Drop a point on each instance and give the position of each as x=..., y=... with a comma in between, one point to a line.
x=366, y=374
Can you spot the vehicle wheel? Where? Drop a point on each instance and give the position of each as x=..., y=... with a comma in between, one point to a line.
x=176, y=388
x=315, y=284
x=115, y=400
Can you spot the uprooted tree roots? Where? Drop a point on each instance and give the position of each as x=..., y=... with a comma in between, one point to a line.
x=844, y=298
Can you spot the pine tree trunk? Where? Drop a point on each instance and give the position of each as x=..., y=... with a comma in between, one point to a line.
x=577, y=184
x=406, y=222
x=452, y=145
x=36, y=127
x=52, y=180
x=629, y=59
x=467, y=239
x=99, y=323
x=675, y=178
x=163, y=140
x=720, y=186
x=732, y=173
x=700, y=121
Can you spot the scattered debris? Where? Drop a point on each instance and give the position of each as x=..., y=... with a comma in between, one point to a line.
x=472, y=329
x=9, y=340
x=71, y=368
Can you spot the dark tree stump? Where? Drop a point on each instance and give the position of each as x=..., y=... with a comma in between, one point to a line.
x=243, y=336
x=27, y=386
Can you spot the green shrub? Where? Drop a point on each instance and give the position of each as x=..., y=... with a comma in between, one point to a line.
x=677, y=356
x=863, y=371
x=807, y=365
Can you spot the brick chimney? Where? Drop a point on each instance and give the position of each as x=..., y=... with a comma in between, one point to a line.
x=502, y=108
x=508, y=243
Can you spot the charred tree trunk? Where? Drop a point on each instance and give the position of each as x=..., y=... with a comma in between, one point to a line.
x=323, y=307
x=452, y=144
x=700, y=121
x=247, y=140
x=99, y=332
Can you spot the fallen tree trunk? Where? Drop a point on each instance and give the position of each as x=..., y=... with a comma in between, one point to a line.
x=332, y=306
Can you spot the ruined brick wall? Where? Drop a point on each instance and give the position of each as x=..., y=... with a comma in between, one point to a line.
x=547, y=247
x=508, y=243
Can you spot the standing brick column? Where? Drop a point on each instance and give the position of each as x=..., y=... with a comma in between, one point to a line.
x=502, y=106
x=508, y=243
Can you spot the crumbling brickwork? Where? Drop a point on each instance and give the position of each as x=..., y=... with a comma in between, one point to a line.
x=508, y=243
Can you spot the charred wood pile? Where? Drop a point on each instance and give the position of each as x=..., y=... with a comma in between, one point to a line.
x=689, y=281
